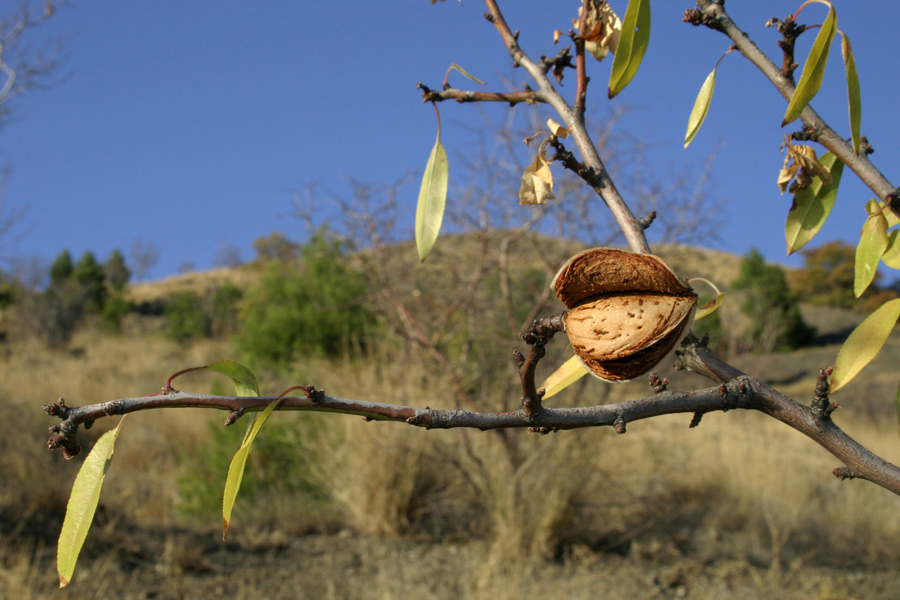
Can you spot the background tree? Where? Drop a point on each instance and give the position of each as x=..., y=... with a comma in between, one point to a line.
x=775, y=322
x=144, y=256
x=116, y=272
x=90, y=277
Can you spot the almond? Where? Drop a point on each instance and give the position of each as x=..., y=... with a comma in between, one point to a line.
x=626, y=311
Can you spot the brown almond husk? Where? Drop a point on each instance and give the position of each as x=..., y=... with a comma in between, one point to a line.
x=626, y=311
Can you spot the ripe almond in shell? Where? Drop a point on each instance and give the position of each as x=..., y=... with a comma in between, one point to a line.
x=626, y=311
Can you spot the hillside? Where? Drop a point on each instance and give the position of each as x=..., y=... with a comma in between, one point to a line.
x=335, y=507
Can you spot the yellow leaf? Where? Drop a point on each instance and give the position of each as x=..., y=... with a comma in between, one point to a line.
x=711, y=306
x=83, y=504
x=812, y=205
x=571, y=371
x=239, y=463
x=432, y=198
x=853, y=100
x=633, y=42
x=463, y=71
x=813, y=68
x=872, y=243
x=891, y=255
x=864, y=343
x=701, y=107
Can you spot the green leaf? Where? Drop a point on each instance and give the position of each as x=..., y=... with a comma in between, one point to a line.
x=571, y=371
x=633, y=41
x=701, y=107
x=83, y=504
x=891, y=255
x=813, y=68
x=711, y=306
x=239, y=463
x=864, y=343
x=245, y=382
x=432, y=198
x=853, y=100
x=872, y=243
x=463, y=71
x=812, y=205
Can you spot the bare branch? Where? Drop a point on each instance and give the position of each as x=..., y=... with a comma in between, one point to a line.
x=736, y=391
x=713, y=15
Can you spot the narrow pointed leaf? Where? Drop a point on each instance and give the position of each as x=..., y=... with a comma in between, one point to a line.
x=711, y=306
x=874, y=205
x=83, y=504
x=633, y=43
x=864, y=343
x=872, y=243
x=891, y=255
x=812, y=205
x=245, y=382
x=432, y=198
x=813, y=69
x=853, y=99
x=701, y=107
x=571, y=371
x=463, y=71
x=239, y=463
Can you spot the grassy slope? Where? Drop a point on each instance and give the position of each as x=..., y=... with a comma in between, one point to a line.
x=740, y=505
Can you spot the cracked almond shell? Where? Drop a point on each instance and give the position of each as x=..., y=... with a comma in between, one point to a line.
x=626, y=311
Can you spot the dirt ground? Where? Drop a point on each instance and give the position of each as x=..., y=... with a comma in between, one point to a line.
x=130, y=564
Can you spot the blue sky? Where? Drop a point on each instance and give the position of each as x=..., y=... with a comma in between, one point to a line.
x=190, y=124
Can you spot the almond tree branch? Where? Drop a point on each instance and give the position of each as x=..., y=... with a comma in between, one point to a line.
x=713, y=15
x=736, y=391
x=574, y=120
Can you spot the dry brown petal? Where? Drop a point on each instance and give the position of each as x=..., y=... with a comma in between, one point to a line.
x=537, y=182
x=801, y=162
x=557, y=129
x=602, y=28
x=626, y=310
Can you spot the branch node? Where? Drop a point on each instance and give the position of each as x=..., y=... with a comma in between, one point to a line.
x=518, y=359
x=821, y=406
x=315, y=395
x=807, y=134
x=64, y=437
x=543, y=430
x=645, y=222
x=532, y=406
x=233, y=416
x=658, y=385
x=695, y=420
x=619, y=424
x=865, y=148
x=57, y=410
x=843, y=473
x=114, y=407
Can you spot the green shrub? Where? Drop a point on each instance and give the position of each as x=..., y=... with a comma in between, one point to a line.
x=185, y=318
x=278, y=466
x=775, y=321
x=314, y=308
x=224, y=310
x=114, y=310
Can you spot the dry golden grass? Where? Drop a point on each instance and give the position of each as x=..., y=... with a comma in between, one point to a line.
x=198, y=282
x=741, y=491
